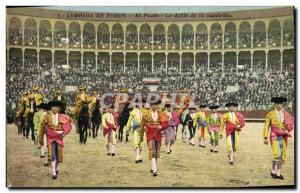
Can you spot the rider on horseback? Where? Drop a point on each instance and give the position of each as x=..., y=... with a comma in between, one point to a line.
x=62, y=99
x=80, y=99
x=38, y=97
x=21, y=110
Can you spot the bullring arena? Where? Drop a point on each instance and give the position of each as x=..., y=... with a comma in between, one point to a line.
x=246, y=54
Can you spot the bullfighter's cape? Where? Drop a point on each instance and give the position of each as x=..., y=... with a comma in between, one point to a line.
x=230, y=126
x=64, y=124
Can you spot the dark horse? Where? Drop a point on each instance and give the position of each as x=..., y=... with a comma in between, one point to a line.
x=123, y=118
x=28, y=122
x=83, y=122
x=96, y=119
x=20, y=120
x=184, y=122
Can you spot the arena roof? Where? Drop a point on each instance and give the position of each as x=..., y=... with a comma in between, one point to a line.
x=157, y=9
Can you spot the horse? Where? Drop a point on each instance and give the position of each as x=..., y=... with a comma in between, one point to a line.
x=83, y=122
x=20, y=120
x=184, y=122
x=96, y=119
x=28, y=122
x=123, y=118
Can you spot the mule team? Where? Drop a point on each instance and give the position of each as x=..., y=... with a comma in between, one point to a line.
x=148, y=121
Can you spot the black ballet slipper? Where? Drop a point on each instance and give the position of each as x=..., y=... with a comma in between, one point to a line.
x=113, y=154
x=108, y=154
x=151, y=171
x=137, y=161
x=42, y=156
x=45, y=164
x=211, y=151
x=272, y=175
x=140, y=160
x=54, y=177
x=280, y=177
x=216, y=151
x=154, y=174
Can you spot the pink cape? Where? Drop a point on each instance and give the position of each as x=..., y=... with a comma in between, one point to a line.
x=52, y=135
x=230, y=127
x=108, y=128
x=289, y=124
x=154, y=133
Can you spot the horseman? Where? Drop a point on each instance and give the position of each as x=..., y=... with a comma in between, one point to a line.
x=21, y=101
x=28, y=116
x=38, y=97
x=80, y=99
x=21, y=109
x=35, y=100
x=60, y=98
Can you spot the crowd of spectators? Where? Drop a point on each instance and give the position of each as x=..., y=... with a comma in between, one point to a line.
x=187, y=41
x=288, y=38
x=230, y=40
x=103, y=39
x=89, y=40
x=74, y=39
x=251, y=89
x=15, y=36
x=145, y=39
x=216, y=39
x=30, y=36
x=59, y=35
x=173, y=40
x=159, y=41
x=117, y=40
x=201, y=40
x=274, y=38
x=259, y=39
x=131, y=41
x=45, y=37
x=245, y=39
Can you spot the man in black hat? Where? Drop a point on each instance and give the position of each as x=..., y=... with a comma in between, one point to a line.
x=154, y=122
x=58, y=125
x=232, y=122
x=281, y=124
